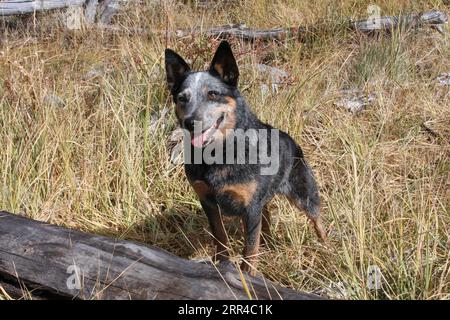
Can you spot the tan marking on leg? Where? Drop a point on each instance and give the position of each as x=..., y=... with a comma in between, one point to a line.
x=241, y=192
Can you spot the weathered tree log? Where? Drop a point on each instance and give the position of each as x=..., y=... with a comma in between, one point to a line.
x=58, y=262
x=110, y=8
x=91, y=11
x=107, y=8
x=241, y=31
x=408, y=21
x=16, y=7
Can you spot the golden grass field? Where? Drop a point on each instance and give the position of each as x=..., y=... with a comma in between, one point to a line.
x=92, y=160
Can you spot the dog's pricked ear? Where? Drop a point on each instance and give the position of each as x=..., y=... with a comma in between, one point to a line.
x=225, y=65
x=176, y=68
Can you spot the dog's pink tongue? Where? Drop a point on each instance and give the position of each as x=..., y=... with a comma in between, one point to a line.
x=197, y=141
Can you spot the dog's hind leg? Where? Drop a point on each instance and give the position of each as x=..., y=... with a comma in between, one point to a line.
x=302, y=192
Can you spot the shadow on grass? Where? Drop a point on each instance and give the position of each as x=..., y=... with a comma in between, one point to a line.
x=185, y=234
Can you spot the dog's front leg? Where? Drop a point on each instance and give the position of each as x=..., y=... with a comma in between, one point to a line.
x=218, y=232
x=252, y=233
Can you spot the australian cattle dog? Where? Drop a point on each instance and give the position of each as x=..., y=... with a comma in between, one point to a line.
x=235, y=162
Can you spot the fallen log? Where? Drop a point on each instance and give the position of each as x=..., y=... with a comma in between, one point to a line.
x=56, y=262
x=107, y=8
x=389, y=23
x=17, y=7
x=111, y=7
x=91, y=11
x=241, y=31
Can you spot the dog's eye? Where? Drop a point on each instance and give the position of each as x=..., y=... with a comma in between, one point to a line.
x=213, y=95
x=182, y=98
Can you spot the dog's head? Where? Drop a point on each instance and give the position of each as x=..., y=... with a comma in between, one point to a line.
x=205, y=100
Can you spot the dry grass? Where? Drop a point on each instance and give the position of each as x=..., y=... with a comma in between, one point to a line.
x=95, y=164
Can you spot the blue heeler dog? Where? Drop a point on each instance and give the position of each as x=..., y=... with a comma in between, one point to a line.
x=211, y=109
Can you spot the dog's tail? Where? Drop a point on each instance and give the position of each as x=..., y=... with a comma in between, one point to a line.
x=303, y=186
x=302, y=191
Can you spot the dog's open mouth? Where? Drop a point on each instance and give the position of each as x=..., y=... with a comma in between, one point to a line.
x=206, y=137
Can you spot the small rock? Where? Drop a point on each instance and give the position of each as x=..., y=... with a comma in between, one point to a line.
x=158, y=117
x=275, y=76
x=95, y=72
x=340, y=289
x=444, y=79
x=335, y=290
x=355, y=101
x=177, y=135
x=175, y=146
x=430, y=127
x=264, y=89
x=176, y=155
x=54, y=101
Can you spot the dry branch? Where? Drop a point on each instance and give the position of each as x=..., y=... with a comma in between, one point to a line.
x=57, y=262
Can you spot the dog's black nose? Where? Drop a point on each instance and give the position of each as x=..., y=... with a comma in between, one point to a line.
x=189, y=123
